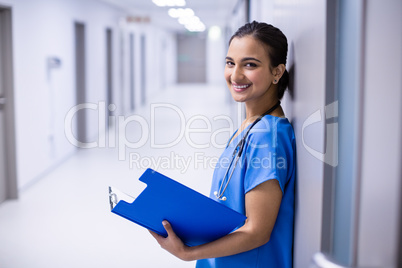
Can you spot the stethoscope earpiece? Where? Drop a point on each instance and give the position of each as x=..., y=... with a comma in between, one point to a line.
x=223, y=198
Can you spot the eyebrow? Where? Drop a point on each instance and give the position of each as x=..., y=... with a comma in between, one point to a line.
x=244, y=59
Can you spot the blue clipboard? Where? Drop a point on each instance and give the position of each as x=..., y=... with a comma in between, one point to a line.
x=195, y=218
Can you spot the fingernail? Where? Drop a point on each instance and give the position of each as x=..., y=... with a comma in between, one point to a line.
x=164, y=222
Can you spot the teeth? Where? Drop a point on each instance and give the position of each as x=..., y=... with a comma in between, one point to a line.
x=240, y=86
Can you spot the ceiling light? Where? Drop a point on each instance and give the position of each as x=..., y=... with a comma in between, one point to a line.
x=180, y=12
x=186, y=17
x=169, y=3
x=214, y=33
x=197, y=27
x=189, y=20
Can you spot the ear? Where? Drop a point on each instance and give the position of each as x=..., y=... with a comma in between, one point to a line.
x=278, y=72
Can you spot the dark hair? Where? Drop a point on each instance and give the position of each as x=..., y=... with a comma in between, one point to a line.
x=277, y=46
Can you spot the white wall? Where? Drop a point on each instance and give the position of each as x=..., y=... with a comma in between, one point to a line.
x=304, y=25
x=44, y=28
x=41, y=29
x=216, y=53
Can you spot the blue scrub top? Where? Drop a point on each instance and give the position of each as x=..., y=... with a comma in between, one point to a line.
x=269, y=153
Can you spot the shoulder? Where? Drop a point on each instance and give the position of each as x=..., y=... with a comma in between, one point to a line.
x=272, y=127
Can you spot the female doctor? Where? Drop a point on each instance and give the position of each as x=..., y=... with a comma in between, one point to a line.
x=260, y=184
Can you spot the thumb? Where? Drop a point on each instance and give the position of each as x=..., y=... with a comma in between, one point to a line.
x=168, y=227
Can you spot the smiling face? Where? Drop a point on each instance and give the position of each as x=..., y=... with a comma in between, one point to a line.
x=248, y=73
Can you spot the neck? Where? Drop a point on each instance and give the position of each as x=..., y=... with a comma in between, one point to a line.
x=260, y=105
x=255, y=111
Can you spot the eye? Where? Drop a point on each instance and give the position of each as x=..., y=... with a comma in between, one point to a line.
x=230, y=63
x=251, y=64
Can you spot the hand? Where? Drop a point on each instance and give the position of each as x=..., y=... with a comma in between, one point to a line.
x=172, y=243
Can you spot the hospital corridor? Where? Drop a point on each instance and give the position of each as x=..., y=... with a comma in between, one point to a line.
x=95, y=92
x=66, y=216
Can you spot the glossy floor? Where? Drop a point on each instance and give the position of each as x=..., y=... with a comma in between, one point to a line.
x=64, y=219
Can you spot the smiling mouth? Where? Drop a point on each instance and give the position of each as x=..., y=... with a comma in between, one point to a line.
x=240, y=87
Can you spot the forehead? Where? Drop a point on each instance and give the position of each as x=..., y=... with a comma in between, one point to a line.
x=247, y=46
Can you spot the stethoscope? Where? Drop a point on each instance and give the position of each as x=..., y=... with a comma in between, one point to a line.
x=239, y=150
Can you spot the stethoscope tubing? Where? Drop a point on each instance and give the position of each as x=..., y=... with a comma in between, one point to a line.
x=230, y=177
x=219, y=194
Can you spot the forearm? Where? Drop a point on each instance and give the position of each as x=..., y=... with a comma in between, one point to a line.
x=262, y=206
x=241, y=240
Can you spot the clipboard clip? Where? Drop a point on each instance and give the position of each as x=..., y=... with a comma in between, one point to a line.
x=115, y=196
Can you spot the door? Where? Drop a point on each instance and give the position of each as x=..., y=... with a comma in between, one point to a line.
x=8, y=177
x=3, y=183
x=80, y=68
x=132, y=73
x=191, y=58
x=143, y=69
x=109, y=75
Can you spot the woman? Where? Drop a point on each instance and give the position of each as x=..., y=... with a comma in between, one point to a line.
x=262, y=183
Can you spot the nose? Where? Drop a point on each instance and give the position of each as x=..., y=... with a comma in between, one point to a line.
x=237, y=74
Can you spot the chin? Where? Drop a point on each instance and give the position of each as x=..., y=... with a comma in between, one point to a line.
x=238, y=97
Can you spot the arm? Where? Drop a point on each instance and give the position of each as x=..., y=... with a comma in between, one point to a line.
x=262, y=206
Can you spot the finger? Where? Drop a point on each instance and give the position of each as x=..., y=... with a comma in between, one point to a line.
x=155, y=235
x=168, y=228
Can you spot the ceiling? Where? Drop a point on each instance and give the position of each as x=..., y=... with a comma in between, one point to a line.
x=211, y=12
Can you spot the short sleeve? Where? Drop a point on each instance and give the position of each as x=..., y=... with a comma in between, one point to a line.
x=268, y=153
